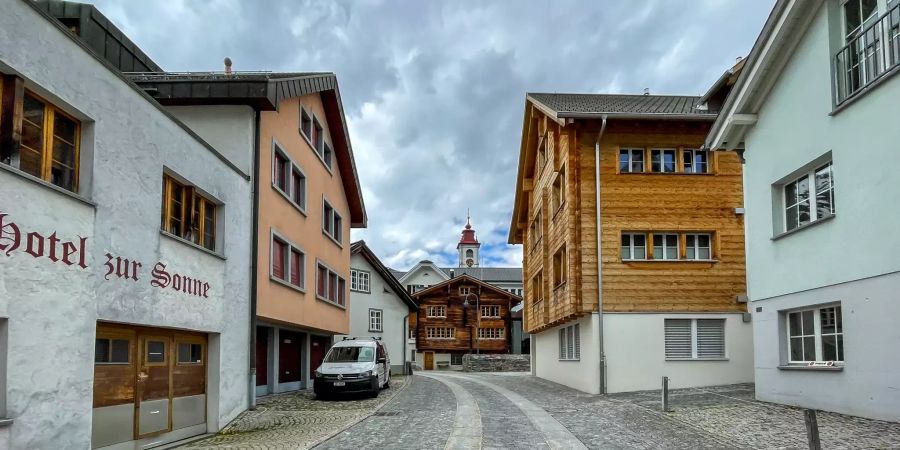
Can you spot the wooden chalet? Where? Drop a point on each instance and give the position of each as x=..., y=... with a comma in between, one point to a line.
x=462, y=315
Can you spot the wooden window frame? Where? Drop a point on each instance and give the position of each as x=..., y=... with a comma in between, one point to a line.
x=440, y=333
x=378, y=319
x=631, y=152
x=560, y=278
x=490, y=308
x=465, y=290
x=190, y=196
x=558, y=191
x=356, y=279
x=17, y=118
x=429, y=311
x=189, y=340
x=145, y=352
x=491, y=334
x=116, y=336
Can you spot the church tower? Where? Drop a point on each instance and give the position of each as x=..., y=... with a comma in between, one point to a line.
x=468, y=246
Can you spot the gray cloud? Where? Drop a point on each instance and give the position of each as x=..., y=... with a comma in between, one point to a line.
x=434, y=91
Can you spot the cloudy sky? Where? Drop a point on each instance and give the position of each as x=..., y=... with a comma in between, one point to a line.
x=434, y=90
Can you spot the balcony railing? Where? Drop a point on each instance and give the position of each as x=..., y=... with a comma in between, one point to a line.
x=872, y=53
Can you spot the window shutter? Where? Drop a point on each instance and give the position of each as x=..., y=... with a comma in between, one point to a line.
x=710, y=338
x=296, y=267
x=678, y=338
x=277, y=259
x=577, y=354
x=562, y=343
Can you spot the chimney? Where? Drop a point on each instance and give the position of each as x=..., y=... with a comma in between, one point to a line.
x=227, y=66
x=452, y=273
x=646, y=91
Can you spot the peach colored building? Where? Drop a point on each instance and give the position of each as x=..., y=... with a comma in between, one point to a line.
x=288, y=132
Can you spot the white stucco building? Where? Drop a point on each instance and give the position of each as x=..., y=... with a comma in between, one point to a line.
x=815, y=114
x=124, y=239
x=379, y=306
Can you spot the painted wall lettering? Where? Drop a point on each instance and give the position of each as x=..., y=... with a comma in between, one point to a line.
x=39, y=246
x=71, y=253
x=191, y=286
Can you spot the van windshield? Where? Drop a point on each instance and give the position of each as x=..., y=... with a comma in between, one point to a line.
x=350, y=354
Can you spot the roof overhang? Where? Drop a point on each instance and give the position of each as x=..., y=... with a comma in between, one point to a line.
x=772, y=50
x=467, y=279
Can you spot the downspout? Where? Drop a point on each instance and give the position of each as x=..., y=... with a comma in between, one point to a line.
x=599, y=272
x=254, y=254
x=404, y=340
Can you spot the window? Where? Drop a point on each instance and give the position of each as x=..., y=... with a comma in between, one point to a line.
x=491, y=333
x=698, y=246
x=280, y=171
x=815, y=335
x=559, y=266
x=490, y=311
x=570, y=343
x=375, y=320
x=327, y=155
x=288, y=262
x=112, y=351
x=470, y=253
x=413, y=288
x=631, y=160
x=798, y=210
x=872, y=47
x=332, y=223
x=695, y=338
x=188, y=214
x=665, y=246
x=440, y=332
x=662, y=160
x=412, y=333
x=695, y=161
x=536, y=231
x=305, y=124
x=412, y=355
x=49, y=142
x=359, y=280
x=288, y=178
x=330, y=286
x=559, y=190
x=190, y=353
x=436, y=311
x=456, y=359
x=298, y=187
x=634, y=246
x=318, y=138
x=156, y=352
x=465, y=290
x=537, y=287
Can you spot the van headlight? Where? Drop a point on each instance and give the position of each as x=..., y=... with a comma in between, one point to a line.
x=366, y=374
x=318, y=374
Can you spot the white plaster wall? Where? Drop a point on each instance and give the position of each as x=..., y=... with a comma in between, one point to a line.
x=584, y=374
x=636, y=357
x=394, y=313
x=793, y=129
x=228, y=128
x=869, y=385
x=424, y=275
x=53, y=308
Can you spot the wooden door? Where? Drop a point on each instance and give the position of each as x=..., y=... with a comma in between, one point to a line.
x=262, y=356
x=288, y=356
x=429, y=361
x=154, y=385
x=318, y=346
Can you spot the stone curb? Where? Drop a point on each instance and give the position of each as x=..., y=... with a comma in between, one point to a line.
x=326, y=438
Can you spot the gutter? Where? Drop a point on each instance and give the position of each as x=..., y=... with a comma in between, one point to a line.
x=254, y=255
x=602, y=354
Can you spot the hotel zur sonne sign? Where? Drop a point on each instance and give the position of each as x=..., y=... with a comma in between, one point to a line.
x=73, y=253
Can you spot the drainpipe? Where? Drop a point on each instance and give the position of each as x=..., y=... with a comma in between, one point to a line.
x=254, y=254
x=599, y=285
x=404, y=340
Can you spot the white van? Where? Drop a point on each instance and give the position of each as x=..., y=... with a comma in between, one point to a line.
x=354, y=365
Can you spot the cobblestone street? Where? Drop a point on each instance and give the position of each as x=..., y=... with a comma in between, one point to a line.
x=441, y=410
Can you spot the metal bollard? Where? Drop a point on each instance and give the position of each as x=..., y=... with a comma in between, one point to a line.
x=812, y=429
x=665, y=394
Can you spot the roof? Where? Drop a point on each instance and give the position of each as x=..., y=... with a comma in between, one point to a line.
x=772, y=50
x=561, y=106
x=489, y=274
x=263, y=91
x=360, y=247
x=101, y=35
x=727, y=78
x=465, y=278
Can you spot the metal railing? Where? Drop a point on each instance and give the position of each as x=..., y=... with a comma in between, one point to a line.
x=869, y=55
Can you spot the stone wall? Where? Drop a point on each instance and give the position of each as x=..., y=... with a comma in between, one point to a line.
x=496, y=363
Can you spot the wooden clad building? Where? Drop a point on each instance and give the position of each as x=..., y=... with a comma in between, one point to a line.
x=663, y=294
x=458, y=316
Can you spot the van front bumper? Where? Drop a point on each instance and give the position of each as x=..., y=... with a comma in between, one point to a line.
x=329, y=385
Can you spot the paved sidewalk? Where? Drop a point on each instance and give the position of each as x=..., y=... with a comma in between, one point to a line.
x=295, y=420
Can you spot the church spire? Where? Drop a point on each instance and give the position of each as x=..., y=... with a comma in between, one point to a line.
x=468, y=246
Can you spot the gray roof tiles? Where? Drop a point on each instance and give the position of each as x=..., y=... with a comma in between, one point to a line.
x=587, y=104
x=488, y=274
